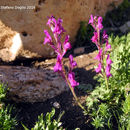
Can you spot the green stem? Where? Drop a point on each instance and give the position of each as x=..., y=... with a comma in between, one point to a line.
x=104, y=75
x=106, y=80
x=72, y=90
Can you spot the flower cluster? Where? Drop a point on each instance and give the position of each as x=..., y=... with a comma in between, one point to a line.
x=60, y=49
x=71, y=74
x=96, y=23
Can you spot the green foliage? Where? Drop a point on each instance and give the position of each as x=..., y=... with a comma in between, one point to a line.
x=48, y=123
x=2, y=92
x=85, y=87
x=6, y=121
x=124, y=5
x=110, y=109
x=84, y=34
x=121, y=59
x=124, y=119
x=118, y=16
x=116, y=40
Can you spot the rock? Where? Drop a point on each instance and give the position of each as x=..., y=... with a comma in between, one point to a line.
x=125, y=28
x=56, y=105
x=26, y=20
x=39, y=83
x=79, y=50
x=128, y=24
x=31, y=84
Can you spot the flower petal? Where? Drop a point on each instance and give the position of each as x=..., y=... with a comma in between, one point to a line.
x=71, y=78
x=108, y=68
x=48, y=38
x=72, y=62
x=95, y=38
x=108, y=60
x=98, y=57
x=58, y=65
x=98, y=69
x=91, y=20
x=100, y=26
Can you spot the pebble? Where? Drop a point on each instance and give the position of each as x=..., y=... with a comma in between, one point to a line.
x=56, y=105
x=79, y=50
x=125, y=27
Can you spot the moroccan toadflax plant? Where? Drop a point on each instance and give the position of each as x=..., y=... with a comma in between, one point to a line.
x=103, y=56
x=61, y=49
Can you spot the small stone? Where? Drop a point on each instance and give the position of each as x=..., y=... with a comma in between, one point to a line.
x=123, y=28
x=126, y=27
x=56, y=105
x=128, y=24
x=79, y=50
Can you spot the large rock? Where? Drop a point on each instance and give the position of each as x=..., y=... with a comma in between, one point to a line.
x=23, y=21
x=31, y=84
x=39, y=83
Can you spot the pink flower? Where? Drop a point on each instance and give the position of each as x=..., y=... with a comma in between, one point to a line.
x=72, y=62
x=71, y=75
x=91, y=20
x=95, y=38
x=51, y=22
x=99, y=25
x=60, y=48
x=58, y=27
x=108, y=46
x=108, y=60
x=98, y=57
x=48, y=38
x=71, y=78
x=58, y=65
x=98, y=69
x=105, y=36
x=108, y=68
x=66, y=44
x=96, y=23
